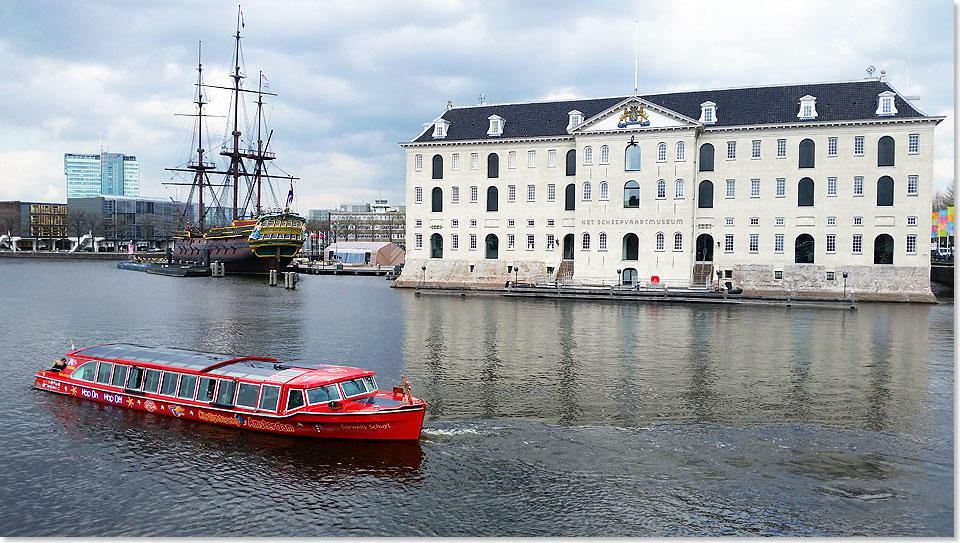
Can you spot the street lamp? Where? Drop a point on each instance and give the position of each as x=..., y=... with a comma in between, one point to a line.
x=844, y=284
x=423, y=275
x=719, y=275
x=516, y=275
x=619, y=278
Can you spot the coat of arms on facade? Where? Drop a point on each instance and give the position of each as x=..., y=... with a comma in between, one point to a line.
x=633, y=115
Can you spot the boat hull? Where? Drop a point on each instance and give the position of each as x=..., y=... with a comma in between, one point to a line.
x=393, y=424
x=234, y=252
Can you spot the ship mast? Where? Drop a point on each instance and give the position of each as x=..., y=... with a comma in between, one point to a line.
x=235, y=160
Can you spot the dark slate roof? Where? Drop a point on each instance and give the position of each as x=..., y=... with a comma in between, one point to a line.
x=847, y=101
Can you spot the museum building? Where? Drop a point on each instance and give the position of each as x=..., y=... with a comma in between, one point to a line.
x=809, y=189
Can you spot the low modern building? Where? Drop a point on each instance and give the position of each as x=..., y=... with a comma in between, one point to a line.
x=33, y=225
x=809, y=188
x=130, y=218
x=378, y=222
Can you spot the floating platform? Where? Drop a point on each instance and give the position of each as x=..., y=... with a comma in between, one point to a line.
x=172, y=270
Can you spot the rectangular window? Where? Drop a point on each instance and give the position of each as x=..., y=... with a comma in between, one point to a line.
x=473, y=242
x=728, y=221
x=831, y=146
x=511, y=223
x=188, y=385
x=456, y=161
x=168, y=383
x=529, y=242
x=549, y=222
x=151, y=381
x=418, y=195
x=418, y=223
x=781, y=187
x=247, y=395
x=913, y=144
x=418, y=241
x=454, y=241
x=858, y=221
x=831, y=221
x=605, y=154
x=754, y=243
x=269, y=397
x=474, y=194
x=754, y=188
x=857, y=244
x=911, y=244
x=731, y=186
x=858, y=186
x=731, y=150
x=454, y=223
x=778, y=221
x=911, y=221
x=511, y=193
x=512, y=159
x=473, y=223
x=529, y=223
x=474, y=161
x=551, y=242
x=831, y=276
x=531, y=159
x=728, y=243
x=552, y=158
x=755, y=149
x=205, y=390
x=103, y=373
x=778, y=243
x=858, y=146
x=831, y=243
x=778, y=274
x=455, y=194
x=913, y=185
x=510, y=241
x=754, y=221
x=831, y=186
x=418, y=162
x=551, y=192
x=781, y=148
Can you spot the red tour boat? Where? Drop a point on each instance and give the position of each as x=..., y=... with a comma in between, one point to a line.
x=247, y=392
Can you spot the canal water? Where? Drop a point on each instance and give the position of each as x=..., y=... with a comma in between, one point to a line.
x=545, y=418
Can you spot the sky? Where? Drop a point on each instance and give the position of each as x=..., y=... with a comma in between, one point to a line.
x=354, y=79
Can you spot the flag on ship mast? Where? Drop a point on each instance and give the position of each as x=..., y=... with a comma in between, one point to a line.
x=265, y=81
x=290, y=194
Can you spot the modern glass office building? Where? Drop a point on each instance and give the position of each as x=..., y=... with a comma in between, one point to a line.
x=90, y=175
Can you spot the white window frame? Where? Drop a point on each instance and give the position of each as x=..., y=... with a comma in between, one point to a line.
x=418, y=195
x=531, y=242
x=678, y=189
x=455, y=162
x=474, y=194
x=512, y=160
x=587, y=190
x=473, y=242
x=858, y=186
x=454, y=242
x=728, y=243
x=858, y=145
x=681, y=151
x=913, y=185
x=551, y=192
x=912, y=220
x=778, y=243
x=531, y=193
x=754, y=243
x=831, y=245
x=511, y=193
x=831, y=186
x=585, y=244
x=474, y=161
x=662, y=152
x=511, y=241
x=455, y=194
x=677, y=242
x=418, y=241
x=552, y=158
x=551, y=242
x=602, y=241
x=731, y=188
x=731, y=150
x=604, y=154
x=911, y=244
x=781, y=188
x=755, y=188
x=661, y=189
x=588, y=156
x=604, y=190
x=755, y=149
x=418, y=162
x=531, y=159
x=832, y=146
x=913, y=144
x=781, y=148
x=659, y=242
x=857, y=245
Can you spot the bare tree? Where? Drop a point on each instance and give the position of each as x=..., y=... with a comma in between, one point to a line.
x=9, y=220
x=943, y=199
x=79, y=223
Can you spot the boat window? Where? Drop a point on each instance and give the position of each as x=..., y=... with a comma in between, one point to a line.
x=247, y=396
x=119, y=375
x=103, y=373
x=371, y=384
x=353, y=387
x=323, y=394
x=226, y=392
x=168, y=384
x=269, y=398
x=135, y=378
x=86, y=371
x=295, y=399
x=205, y=391
x=151, y=381
x=188, y=384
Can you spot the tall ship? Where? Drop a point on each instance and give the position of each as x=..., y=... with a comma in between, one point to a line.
x=230, y=220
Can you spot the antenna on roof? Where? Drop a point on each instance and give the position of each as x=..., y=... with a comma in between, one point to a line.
x=870, y=69
x=636, y=58
x=482, y=98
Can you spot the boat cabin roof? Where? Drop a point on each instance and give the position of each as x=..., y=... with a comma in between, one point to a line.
x=267, y=370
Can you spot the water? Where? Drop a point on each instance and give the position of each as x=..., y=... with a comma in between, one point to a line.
x=545, y=418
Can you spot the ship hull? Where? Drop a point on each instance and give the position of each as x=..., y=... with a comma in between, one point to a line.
x=234, y=252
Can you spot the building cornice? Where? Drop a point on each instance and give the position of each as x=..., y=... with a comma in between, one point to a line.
x=858, y=122
x=445, y=143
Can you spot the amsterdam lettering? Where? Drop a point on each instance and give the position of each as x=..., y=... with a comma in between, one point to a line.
x=257, y=424
x=630, y=222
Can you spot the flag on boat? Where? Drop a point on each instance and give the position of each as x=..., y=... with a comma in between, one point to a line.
x=290, y=194
x=72, y=348
x=264, y=81
x=242, y=24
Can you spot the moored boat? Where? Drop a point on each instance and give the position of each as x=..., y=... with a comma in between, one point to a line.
x=254, y=393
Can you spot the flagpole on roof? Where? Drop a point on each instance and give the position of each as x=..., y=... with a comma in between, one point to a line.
x=636, y=59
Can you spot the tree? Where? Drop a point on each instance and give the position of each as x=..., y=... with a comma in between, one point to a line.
x=79, y=223
x=942, y=199
x=10, y=220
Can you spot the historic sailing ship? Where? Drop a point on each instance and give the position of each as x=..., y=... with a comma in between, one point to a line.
x=258, y=239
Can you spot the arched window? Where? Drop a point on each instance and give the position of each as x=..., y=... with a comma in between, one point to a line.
x=804, y=249
x=631, y=247
x=705, y=196
x=492, y=244
x=678, y=191
x=805, y=192
x=706, y=158
x=587, y=155
x=436, y=246
x=568, y=247
x=437, y=199
x=631, y=194
x=660, y=239
x=586, y=241
x=604, y=190
x=661, y=152
x=807, y=153
x=570, y=197
x=493, y=165
x=602, y=240
x=885, y=191
x=704, y=248
x=629, y=276
x=437, y=167
x=661, y=189
x=681, y=151
x=605, y=154
x=885, y=151
x=572, y=162
x=631, y=159
x=677, y=241
x=493, y=199
x=883, y=249
x=587, y=190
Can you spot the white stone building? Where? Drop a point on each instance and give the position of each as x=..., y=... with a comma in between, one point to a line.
x=777, y=188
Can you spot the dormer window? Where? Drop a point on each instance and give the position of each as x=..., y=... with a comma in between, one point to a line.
x=496, y=125
x=440, y=129
x=575, y=119
x=808, y=108
x=708, y=113
x=885, y=106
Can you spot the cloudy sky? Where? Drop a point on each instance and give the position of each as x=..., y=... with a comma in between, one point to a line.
x=355, y=78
